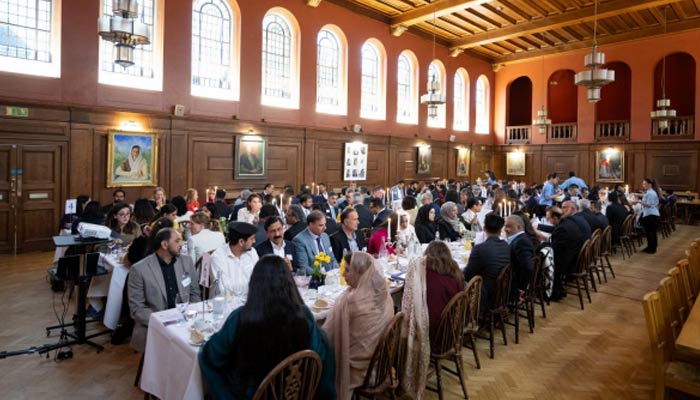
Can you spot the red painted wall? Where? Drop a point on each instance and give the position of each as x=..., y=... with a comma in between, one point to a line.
x=520, y=102
x=640, y=55
x=615, y=97
x=680, y=83
x=78, y=83
x=562, y=102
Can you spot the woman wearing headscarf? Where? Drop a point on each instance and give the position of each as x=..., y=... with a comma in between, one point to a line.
x=448, y=224
x=406, y=232
x=357, y=320
x=425, y=224
x=135, y=166
x=431, y=282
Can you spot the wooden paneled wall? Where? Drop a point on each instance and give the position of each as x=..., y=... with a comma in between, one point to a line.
x=673, y=164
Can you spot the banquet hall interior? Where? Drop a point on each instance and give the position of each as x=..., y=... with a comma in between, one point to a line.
x=232, y=96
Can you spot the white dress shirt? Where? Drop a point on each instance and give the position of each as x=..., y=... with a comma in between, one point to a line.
x=246, y=216
x=203, y=242
x=235, y=271
x=278, y=250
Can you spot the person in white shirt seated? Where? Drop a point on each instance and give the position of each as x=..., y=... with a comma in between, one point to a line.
x=202, y=239
x=470, y=217
x=235, y=260
x=275, y=243
x=250, y=213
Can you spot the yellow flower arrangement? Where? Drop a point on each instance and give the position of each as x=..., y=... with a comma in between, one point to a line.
x=320, y=262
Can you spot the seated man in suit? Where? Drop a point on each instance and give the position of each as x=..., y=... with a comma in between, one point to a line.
x=347, y=237
x=295, y=221
x=276, y=244
x=322, y=195
x=331, y=223
x=155, y=281
x=312, y=241
x=587, y=213
x=330, y=207
x=220, y=203
x=488, y=259
x=376, y=207
x=571, y=209
x=521, y=253
x=266, y=211
x=363, y=212
x=567, y=240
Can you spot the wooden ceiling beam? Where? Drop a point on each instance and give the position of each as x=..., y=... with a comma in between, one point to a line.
x=657, y=31
x=400, y=23
x=605, y=10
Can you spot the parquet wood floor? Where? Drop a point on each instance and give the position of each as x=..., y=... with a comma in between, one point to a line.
x=599, y=353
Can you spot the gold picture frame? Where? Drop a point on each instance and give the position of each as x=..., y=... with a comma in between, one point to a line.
x=515, y=163
x=132, y=159
x=424, y=161
x=610, y=166
x=463, y=159
x=250, y=157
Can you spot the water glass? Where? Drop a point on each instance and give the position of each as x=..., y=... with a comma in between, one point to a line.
x=190, y=314
x=181, y=303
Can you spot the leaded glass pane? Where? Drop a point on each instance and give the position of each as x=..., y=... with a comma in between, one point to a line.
x=371, y=91
x=144, y=59
x=211, y=45
x=277, y=57
x=328, y=84
x=25, y=29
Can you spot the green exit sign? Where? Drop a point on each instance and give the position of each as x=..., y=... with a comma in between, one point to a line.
x=17, y=111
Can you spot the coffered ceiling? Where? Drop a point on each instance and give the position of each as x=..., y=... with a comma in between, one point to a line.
x=506, y=31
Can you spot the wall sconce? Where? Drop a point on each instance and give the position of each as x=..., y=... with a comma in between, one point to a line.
x=357, y=128
x=130, y=126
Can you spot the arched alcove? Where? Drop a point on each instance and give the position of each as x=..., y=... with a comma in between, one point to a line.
x=519, y=102
x=616, y=97
x=679, y=83
x=562, y=99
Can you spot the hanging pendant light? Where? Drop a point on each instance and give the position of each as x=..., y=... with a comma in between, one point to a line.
x=597, y=76
x=542, y=122
x=664, y=111
x=125, y=30
x=434, y=98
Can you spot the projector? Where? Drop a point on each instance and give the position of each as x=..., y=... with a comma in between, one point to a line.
x=94, y=231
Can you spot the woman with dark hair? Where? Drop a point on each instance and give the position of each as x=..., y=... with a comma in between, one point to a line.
x=381, y=236
x=425, y=224
x=357, y=320
x=448, y=224
x=183, y=214
x=650, y=213
x=168, y=211
x=216, y=224
x=491, y=177
x=410, y=206
x=251, y=210
x=119, y=220
x=431, y=282
x=92, y=214
x=239, y=356
x=143, y=212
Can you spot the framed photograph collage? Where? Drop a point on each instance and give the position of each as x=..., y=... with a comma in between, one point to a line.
x=355, y=163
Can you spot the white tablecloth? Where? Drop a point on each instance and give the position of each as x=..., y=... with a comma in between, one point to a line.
x=111, y=286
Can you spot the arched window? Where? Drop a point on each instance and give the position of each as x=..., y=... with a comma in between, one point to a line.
x=482, y=105
x=460, y=119
x=407, y=89
x=436, y=72
x=147, y=71
x=373, y=98
x=215, y=54
x=331, y=76
x=30, y=37
x=280, y=59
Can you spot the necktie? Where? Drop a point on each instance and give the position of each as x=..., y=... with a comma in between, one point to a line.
x=319, y=244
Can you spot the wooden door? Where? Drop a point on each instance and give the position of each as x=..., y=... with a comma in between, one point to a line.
x=8, y=162
x=31, y=192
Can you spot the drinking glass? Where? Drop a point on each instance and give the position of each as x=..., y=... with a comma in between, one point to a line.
x=190, y=314
x=181, y=303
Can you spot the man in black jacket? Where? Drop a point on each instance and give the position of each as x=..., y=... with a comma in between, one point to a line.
x=362, y=211
x=275, y=243
x=616, y=214
x=590, y=217
x=347, y=237
x=521, y=253
x=567, y=240
x=488, y=259
x=220, y=203
x=376, y=207
x=296, y=221
x=570, y=210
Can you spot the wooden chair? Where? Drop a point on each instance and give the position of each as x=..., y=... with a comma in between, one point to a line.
x=294, y=378
x=668, y=294
x=605, y=251
x=665, y=220
x=593, y=255
x=500, y=308
x=471, y=325
x=580, y=273
x=626, y=236
x=688, y=291
x=381, y=379
x=526, y=303
x=448, y=341
x=680, y=302
x=668, y=374
x=694, y=267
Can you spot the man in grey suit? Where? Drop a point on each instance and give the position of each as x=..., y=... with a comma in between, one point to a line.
x=155, y=281
x=313, y=240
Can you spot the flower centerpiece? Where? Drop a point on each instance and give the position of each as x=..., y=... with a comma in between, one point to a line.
x=318, y=275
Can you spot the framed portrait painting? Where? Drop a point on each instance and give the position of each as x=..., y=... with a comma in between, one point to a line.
x=425, y=158
x=355, y=161
x=515, y=163
x=463, y=162
x=610, y=165
x=132, y=159
x=251, y=157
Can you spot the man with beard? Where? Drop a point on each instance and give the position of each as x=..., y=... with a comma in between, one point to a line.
x=233, y=262
x=156, y=281
x=275, y=243
x=312, y=241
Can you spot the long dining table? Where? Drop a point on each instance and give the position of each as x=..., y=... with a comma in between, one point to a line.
x=688, y=341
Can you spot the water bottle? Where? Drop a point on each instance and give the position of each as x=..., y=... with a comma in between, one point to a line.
x=219, y=298
x=437, y=235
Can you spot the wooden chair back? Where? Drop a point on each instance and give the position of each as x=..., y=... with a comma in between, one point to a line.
x=628, y=226
x=684, y=267
x=694, y=264
x=385, y=357
x=450, y=329
x=680, y=299
x=668, y=296
x=660, y=349
x=502, y=293
x=531, y=291
x=473, y=290
x=606, y=241
x=584, y=257
x=595, y=247
x=294, y=378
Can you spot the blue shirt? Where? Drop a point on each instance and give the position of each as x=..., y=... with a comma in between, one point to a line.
x=575, y=180
x=652, y=201
x=547, y=192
